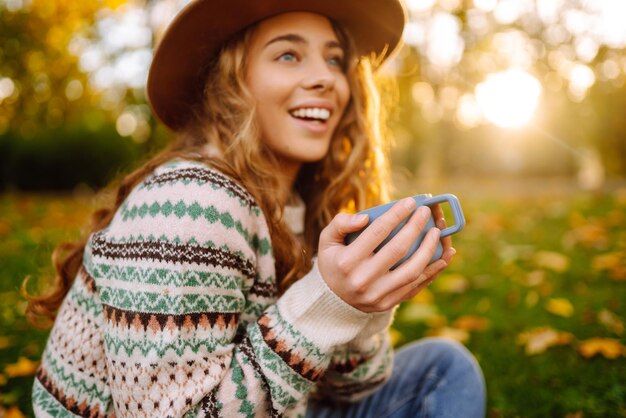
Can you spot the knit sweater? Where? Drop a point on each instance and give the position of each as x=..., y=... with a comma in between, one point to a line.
x=175, y=312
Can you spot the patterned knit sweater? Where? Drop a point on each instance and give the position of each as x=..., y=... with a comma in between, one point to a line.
x=175, y=313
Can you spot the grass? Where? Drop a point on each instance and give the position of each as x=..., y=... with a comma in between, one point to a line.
x=553, y=263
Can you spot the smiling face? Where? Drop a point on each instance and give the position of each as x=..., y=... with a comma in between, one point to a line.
x=296, y=74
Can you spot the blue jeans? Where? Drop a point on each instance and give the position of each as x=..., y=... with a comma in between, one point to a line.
x=432, y=377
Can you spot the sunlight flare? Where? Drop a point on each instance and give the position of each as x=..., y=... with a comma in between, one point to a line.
x=509, y=99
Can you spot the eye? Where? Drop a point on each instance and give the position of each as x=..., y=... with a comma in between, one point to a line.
x=288, y=57
x=336, y=61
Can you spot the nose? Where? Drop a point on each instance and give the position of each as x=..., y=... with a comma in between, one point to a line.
x=319, y=76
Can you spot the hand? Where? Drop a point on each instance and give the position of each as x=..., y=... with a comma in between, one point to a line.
x=361, y=277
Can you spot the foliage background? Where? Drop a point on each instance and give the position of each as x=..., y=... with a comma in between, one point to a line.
x=537, y=290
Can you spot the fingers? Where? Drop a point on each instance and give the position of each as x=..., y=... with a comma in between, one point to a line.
x=339, y=227
x=448, y=254
x=416, y=285
x=380, y=229
x=420, y=260
x=408, y=271
x=397, y=248
x=440, y=222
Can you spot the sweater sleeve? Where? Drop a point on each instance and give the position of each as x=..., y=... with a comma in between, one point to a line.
x=72, y=378
x=361, y=366
x=186, y=277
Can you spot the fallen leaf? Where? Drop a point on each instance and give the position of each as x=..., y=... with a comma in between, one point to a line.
x=5, y=228
x=23, y=367
x=619, y=273
x=425, y=296
x=591, y=235
x=611, y=321
x=538, y=340
x=552, y=261
x=532, y=298
x=471, y=323
x=616, y=217
x=395, y=337
x=614, y=263
x=459, y=335
x=418, y=312
x=437, y=321
x=452, y=283
x=607, y=347
x=14, y=412
x=607, y=261
x=5, y=342
x=3, y=380
x=534, y=278
x=560, y=306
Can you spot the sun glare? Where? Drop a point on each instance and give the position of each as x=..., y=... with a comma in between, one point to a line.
x=509, y=99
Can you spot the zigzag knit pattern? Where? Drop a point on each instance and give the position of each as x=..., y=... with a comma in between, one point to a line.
x=174, y=314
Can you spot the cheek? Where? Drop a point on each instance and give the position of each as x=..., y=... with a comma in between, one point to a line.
x=343, y=92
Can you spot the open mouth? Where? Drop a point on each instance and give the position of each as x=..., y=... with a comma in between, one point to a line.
x=311, y=114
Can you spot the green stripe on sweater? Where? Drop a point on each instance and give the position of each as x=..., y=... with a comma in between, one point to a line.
x=195, y=211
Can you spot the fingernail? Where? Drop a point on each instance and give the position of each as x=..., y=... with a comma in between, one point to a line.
x=424, y=212
x=453, y=251
x=359, y=218
x=441, y=223
x=409, y=203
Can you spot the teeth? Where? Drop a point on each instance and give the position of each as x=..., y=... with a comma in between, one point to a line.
x=312, y=113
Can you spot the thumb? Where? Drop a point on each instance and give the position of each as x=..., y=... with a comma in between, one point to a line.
x=342, y=225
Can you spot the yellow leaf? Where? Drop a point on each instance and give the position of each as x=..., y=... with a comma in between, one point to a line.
x=23, y=367
x=471, y=323
x=459, y=335
x=552, y=261
x=418, y=312
x=436, y=321
x=5, y=342
x=614, y=263
x=607, y=347
x=532, y=298
x=425, y=296
x=452, y=283
x=619, y=273
x=13, y=412
x=611, y=321
x=395, y=337
x=560, y=306
x=534, y=278
x=608, y=261
x=3, y=380
x=538, y=340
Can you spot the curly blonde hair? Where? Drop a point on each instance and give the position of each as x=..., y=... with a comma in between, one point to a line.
x=352, y=176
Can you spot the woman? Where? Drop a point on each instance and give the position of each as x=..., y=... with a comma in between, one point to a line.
x=219, y=284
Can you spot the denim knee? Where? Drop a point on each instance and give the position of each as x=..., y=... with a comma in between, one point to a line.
x=453, y=375
x=451, y=356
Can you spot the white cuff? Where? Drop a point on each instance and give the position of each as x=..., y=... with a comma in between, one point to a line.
x=316, y=311
x=379, y=322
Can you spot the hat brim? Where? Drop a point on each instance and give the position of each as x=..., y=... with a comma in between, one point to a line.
x=195, y=34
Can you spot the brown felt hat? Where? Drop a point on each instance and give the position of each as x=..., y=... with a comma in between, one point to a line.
x=200, y=28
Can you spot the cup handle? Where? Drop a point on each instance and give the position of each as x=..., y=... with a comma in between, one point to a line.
x=457, y=212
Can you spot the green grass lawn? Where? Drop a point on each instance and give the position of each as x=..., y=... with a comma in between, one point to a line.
x=537, y=292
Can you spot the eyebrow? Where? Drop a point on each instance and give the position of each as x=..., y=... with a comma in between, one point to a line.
x=295, y=38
